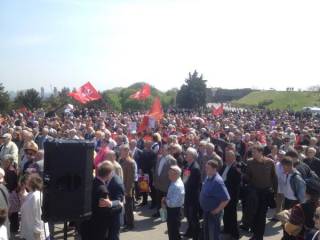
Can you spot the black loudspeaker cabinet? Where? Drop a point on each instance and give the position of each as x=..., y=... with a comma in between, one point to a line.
x=67, y=180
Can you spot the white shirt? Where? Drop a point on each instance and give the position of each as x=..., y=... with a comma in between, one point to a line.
x=31, y=217
x=225, y=172
x=287, y=191
x=3, y=233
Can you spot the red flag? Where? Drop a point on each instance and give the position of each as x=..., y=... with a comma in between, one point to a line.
x=143, y=93
x=144, y=124
x=217, y=111
x=85, y=94
x=156, y=109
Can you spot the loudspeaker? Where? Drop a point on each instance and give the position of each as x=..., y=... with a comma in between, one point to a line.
x=67, y=177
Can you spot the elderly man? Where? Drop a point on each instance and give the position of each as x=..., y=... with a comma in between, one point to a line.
x=161, y=179
x=192, y=182
x=232, y=178
x=9, y=147
x=214, y=197
x=312, y=161
x=211, y=154
x=174, y=202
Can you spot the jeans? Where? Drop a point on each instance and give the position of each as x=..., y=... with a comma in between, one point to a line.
x=211, y=226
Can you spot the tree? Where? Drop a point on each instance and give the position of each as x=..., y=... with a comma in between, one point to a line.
x=4, y=99
x=29, y=98
x=192, y=94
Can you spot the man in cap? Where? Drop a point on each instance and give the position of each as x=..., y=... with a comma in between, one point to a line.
x=9, y=147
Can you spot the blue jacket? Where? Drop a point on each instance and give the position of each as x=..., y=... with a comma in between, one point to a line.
x=298, y=186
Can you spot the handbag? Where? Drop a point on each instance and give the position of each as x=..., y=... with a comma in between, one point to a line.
x=143, y=184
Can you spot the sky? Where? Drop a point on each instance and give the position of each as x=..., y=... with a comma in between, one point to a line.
x=115, y=43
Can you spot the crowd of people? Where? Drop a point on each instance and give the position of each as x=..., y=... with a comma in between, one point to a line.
x=188, y=164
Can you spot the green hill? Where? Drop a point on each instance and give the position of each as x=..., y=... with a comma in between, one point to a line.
x=280, y=100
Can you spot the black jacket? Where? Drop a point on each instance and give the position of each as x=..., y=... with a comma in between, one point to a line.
x=232, y=182
x=192, y=184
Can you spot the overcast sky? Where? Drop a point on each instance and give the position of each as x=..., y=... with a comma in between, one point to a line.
x=112, y=43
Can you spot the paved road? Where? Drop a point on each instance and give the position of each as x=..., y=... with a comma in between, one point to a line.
x=148, y=228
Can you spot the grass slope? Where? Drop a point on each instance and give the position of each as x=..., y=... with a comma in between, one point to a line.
x=280, y=100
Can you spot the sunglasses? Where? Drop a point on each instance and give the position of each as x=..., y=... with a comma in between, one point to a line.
x=317, y=216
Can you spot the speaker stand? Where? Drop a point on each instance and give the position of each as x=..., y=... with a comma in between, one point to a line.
x=65, y=230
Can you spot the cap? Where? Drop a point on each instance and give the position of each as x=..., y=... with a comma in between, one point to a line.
x=6, y=136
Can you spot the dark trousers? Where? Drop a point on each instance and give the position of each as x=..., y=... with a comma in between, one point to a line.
x=128, y=212
x=211, y=226
x=14, y=222
x=173, y=223
x=159, y=196
x=114, y=227
x=230, y=219
x=259, y=223
x=192, y=215
x=136, y=191
x=152, y=195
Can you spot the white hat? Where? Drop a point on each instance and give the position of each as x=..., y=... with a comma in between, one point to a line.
x=6, y=136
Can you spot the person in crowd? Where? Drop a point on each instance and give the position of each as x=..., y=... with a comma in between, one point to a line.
x=294, y=186
x=147, y=164
x=43, y=137
x=156, y=143
x=232, y=179
x=300, y=166
x=30, y=150
x=312, y=161
x=11, y=176
x=174, y=201
x=281, y=176
x=214, y=197
x=315, y=235
x=4, y=202
x=32, y=227
x=103, y=150
x=98, y=225
x=128, y=167
x=135, y=153
x=161, y=179
x=3, y=228
x=116, y=195
x=262, y=179
x=111, y=156
x=301, y=220
x=16, y=198
x=192, y=182
x=9, y=147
